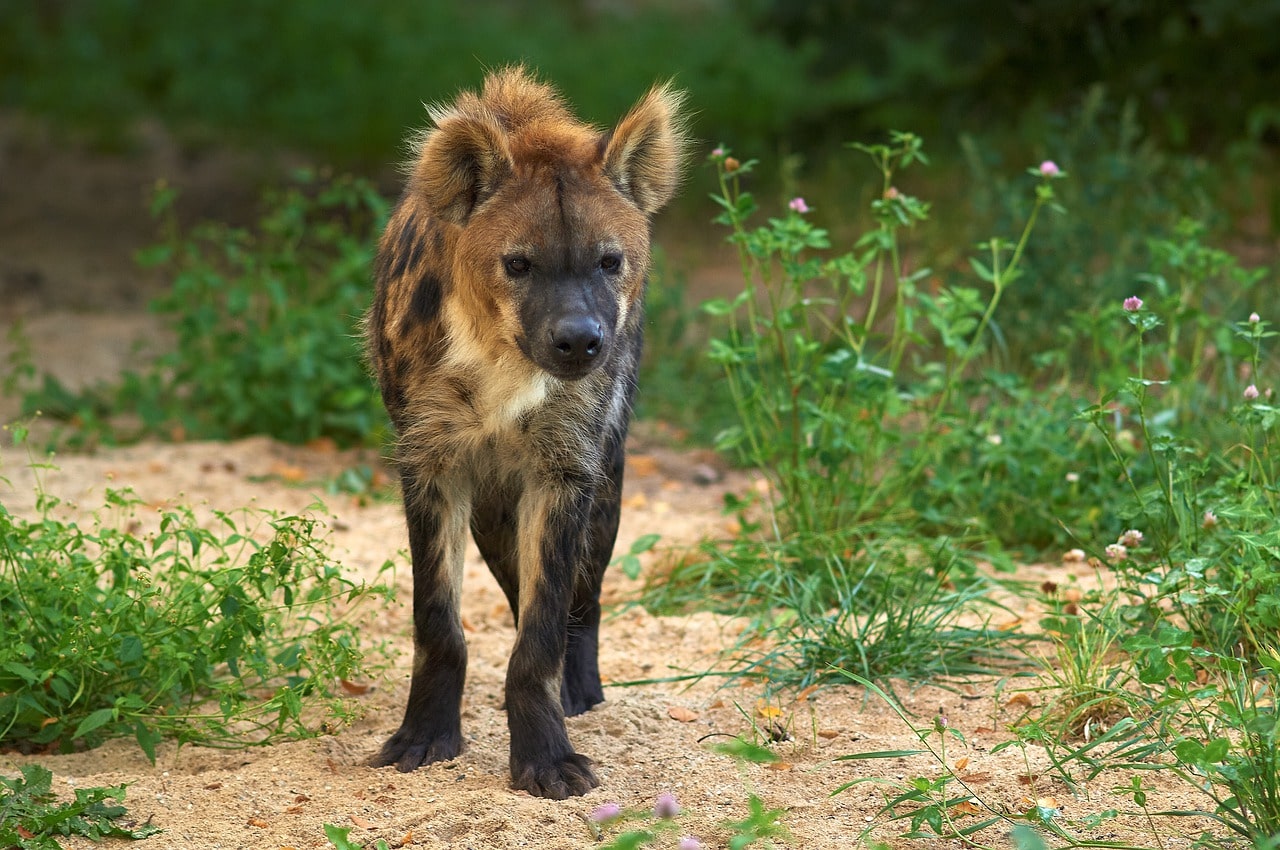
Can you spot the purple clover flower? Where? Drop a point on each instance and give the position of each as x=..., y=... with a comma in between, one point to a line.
x=666, y=806
x=606, y=813
x=1132, y=304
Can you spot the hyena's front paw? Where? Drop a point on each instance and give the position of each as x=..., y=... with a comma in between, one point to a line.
x=410, y=748
x=555, y=779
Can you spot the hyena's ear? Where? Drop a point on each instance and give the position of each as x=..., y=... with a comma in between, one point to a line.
x=461, y=161
x=644, y=154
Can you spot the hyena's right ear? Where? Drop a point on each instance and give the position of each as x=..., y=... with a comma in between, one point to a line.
x=644, y=153
x=461, y=161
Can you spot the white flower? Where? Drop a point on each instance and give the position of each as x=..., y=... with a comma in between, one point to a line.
x=1131, y=538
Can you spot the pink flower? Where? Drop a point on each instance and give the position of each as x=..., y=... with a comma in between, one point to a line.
x=1074, y=556
x=717, y=152
x=689, y=843
x=606, y=813
x=1131, y=538
x=799, y=205
x=1116, y=552
x=1254, y=318
x=665, y=807
x=1210, y=520
x=1132, y=304
x=1049, y=168
x=1250, y=392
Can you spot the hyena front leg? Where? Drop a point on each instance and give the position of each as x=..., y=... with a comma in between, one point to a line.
x=552, y=540
x=580, y=688
x=432, y=727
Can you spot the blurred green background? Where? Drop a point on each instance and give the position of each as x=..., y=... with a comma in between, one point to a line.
x=342, y=80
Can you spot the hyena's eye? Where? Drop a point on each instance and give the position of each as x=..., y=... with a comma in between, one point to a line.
x=517, y=266
x=611, y=263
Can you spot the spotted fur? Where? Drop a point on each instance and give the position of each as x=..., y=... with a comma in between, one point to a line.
x=505, y=333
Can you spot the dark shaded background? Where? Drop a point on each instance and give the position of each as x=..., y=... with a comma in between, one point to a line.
x=343, y=79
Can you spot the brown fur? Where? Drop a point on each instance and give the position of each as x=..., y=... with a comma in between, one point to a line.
x=505, y=333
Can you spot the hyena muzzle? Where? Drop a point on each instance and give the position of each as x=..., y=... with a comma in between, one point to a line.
x=505, y=333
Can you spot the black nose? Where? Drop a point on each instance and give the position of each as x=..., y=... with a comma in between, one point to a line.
x=576, y=338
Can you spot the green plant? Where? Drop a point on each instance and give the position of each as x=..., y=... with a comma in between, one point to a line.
x=629, y=561
x=1130, y=190
x=1204, y=717
x=340, y=837
x=1174, y=668
x=850, y=377
x=932, y=810
x=1202, y=499
x=1087, y=678
x=31, y=818
x=673, y=368
x=1242, y=769
x=266, y=324
x=889, y=613
x=332, y=67
x=231, y=638
x=1203, y=596
x=840, y=405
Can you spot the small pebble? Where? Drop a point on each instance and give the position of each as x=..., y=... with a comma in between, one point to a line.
x=705, y=474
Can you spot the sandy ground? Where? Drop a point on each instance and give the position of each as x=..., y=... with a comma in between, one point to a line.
x=68, y=276
x=646, y=739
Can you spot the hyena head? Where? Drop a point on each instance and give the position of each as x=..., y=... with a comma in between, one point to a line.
x=552, y=216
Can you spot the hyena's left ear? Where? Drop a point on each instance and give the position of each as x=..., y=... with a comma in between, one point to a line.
x=644, y=153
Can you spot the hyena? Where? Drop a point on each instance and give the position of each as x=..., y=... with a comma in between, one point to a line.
x=505, y=333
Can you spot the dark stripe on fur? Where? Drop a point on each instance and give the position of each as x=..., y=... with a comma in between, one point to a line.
x=427, y=297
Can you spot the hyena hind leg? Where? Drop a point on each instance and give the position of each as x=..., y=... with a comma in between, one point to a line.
x=494, y=528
